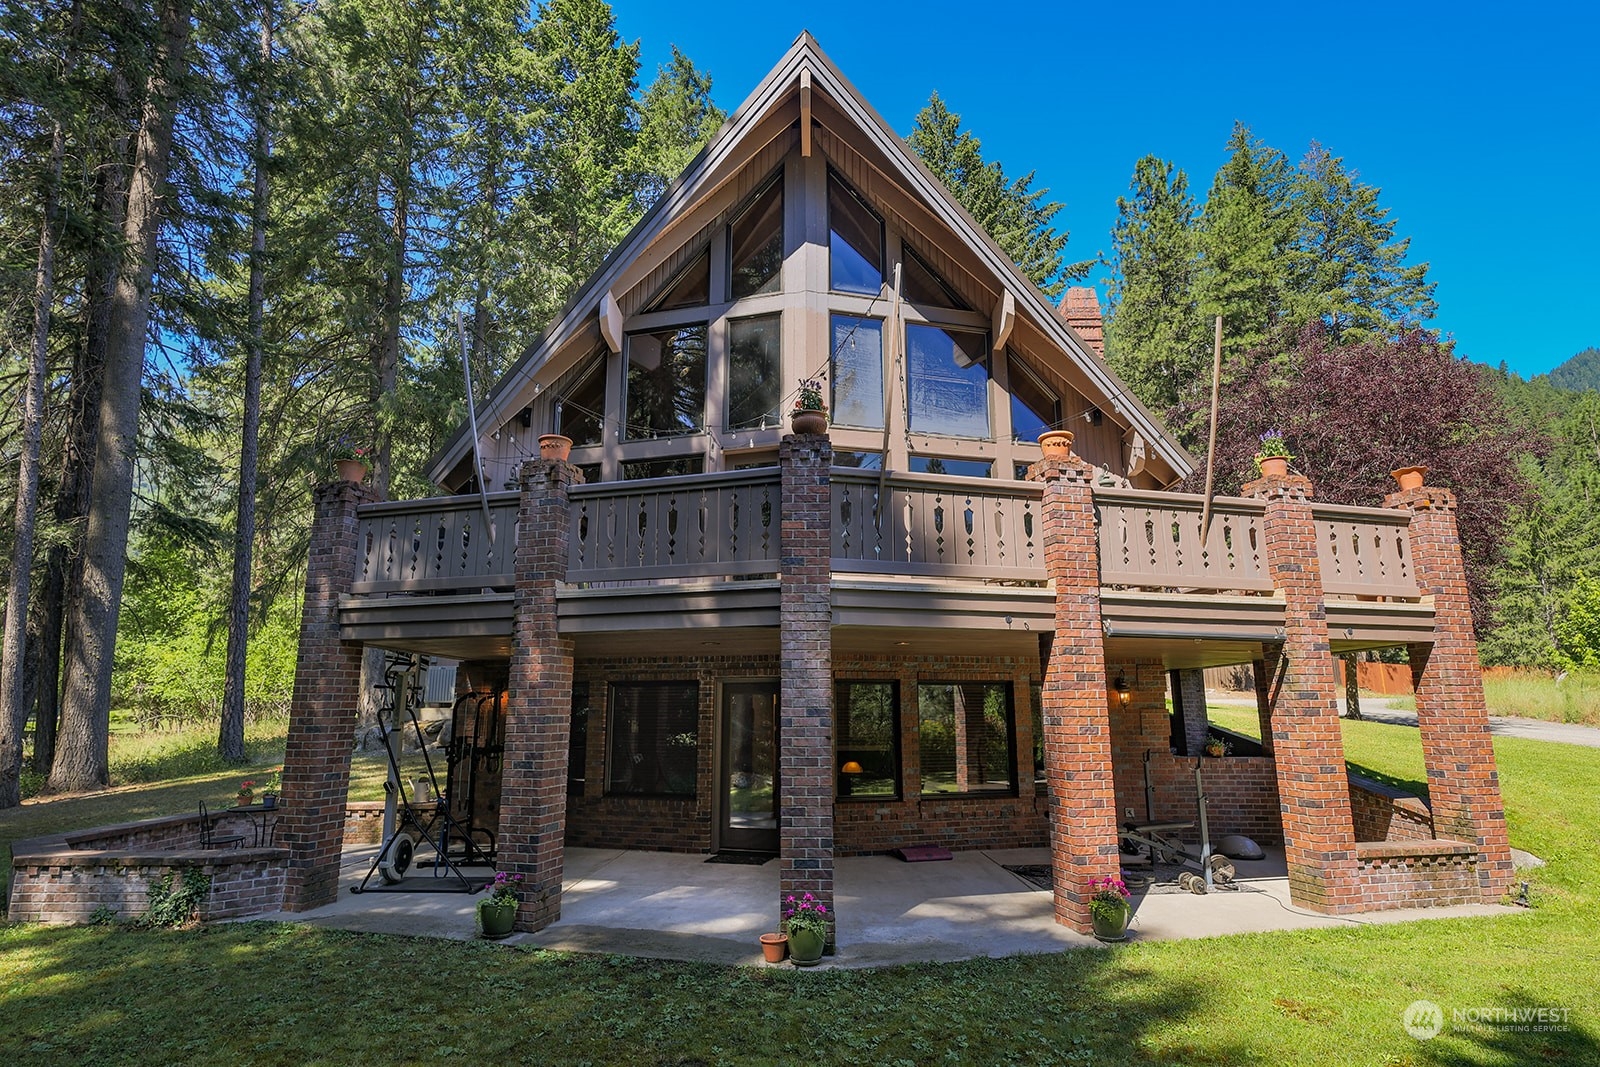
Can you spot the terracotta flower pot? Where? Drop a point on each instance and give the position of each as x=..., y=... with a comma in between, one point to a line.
x=1056, y=444
x=774, y=947
x=1273, y=466
x=554, y=446
x=1409, y=477
x=351, y=470
x=807, y=420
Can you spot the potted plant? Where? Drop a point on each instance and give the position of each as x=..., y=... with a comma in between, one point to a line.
x=350, y=460
x=810, y=413
x=247, y=793
x=806, y=922
x=1056, y=444
x=1109, y=910
x=269, y=790
x=497, y=912
x=554, y=446
x=1273, y=458
x=1409, y=477
x=774, y=946
x=1217, y=747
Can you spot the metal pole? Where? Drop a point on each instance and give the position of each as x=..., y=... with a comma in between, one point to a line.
x=472, y=423
x=1211, y=445
x=1205, y=832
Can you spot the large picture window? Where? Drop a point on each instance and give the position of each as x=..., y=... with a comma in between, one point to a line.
x=654, y=741
x=755, y=352
x=755, y=246
x=867, y=725
x=857, y=372
x=948, y=381
x=666, y=382
x=968, y=737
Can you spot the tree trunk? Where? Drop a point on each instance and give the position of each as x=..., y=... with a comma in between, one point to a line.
x=81, y=758
x=1352, y=686
x=230, y=740
x=13, y=707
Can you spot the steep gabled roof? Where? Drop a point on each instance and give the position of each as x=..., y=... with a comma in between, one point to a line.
x=704, y=173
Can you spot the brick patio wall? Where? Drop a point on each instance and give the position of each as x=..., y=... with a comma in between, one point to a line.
x=1384, y=813
x=1417, y=874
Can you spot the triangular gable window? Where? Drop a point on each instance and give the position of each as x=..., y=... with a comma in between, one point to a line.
x=922, y=285
x=755, y=245
x=1034, y=408
x=855, y=241
x=690, y=288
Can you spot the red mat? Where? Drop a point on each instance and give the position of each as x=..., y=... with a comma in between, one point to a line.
x=922, y=853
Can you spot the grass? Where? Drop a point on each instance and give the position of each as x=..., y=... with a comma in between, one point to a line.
x=1574, y=698
x=289, y=994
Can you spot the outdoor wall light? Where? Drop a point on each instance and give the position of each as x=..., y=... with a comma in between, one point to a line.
x=1121, y=686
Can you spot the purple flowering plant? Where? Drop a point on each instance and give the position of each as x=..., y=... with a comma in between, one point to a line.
x=809, y=398
x=805, y=913
x=1273, y=444
x=1110, y=897
x=503, y=890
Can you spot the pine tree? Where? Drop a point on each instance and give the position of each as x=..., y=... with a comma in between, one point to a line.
x=1155, y=337
x=1014, y=213
x=676, y=118
x=1242, y=239
x=1349, y=271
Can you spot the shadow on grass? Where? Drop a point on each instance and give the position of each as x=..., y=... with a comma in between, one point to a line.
x=1410, y=785
x=264, y=992
x=1518, y=1027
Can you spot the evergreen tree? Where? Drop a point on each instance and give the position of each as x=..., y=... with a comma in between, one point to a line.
x=1155, y=337
x=1242, y=239
x=1349, y=271
x=1014, y=213
x=676, y=118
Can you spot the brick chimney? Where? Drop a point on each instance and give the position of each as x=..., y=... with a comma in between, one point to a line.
x=1081, y=310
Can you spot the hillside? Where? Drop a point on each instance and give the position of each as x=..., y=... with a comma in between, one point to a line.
x=1580, y=372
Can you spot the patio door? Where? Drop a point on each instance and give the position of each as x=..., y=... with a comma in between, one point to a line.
x=749, y=761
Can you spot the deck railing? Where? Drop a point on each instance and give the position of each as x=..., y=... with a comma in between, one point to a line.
x=1152, y=540
x=727, y=525
x=702, y=525
x=926, y=524
x=436, y=544
x=1364, y=551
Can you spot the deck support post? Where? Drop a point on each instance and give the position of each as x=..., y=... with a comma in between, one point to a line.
x=322, y=711
x=1075, y=698
x=1313, y=785
x=533, y=783
x=805, y=634
x=1463, y=786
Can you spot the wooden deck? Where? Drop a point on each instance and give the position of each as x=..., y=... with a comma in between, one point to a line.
x=910, y=552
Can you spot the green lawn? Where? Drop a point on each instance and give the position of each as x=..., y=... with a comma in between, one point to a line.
x=263, y=993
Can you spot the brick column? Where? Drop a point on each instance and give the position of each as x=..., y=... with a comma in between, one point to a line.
x=1463, y=786
x=1313, y=789
x=533, y=779
x=322, y=712
x=1077, y=728
x=805, y=633
x=1265, y=672
x=1189, y=701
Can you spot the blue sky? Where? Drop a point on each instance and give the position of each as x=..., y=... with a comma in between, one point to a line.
x=1481, y=124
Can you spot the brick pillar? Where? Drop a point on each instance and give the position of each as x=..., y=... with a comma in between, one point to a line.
x=1189, y=701
x=533, y=779
x=1313, y=788
x=1463, y=786
x=322, y=713
x=1265, y=672
x=805, y=634
x=1077, y=729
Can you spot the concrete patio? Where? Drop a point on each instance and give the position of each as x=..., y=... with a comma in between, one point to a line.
x=677, y=906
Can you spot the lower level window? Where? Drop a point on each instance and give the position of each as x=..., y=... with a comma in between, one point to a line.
x=968, y=737
x=867, y=724
x=654, y=738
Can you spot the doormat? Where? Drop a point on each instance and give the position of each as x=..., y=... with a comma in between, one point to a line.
x=753, y=859
x=922, y=853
